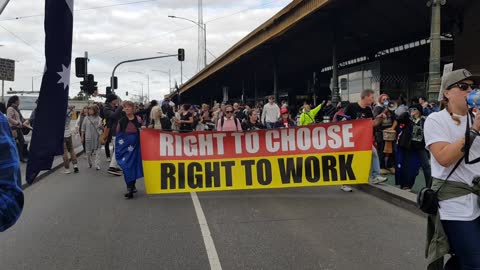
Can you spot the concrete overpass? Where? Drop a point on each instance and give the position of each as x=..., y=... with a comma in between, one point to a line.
x=300, y=49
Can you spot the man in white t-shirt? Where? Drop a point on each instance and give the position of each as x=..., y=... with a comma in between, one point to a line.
x=270, y=113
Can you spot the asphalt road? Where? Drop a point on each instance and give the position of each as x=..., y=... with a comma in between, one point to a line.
x=82, y=221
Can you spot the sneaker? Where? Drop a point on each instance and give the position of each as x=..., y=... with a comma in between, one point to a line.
x=346, y=188
x=67, y=171
x=392, y=170
x=98, y=168
x=75, y=170
x=378, y=179
x=384, y=171
x=118, y=170
x=113, y=171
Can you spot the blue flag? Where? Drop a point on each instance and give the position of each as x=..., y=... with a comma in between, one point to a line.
x=47, y=136
x=129, y=155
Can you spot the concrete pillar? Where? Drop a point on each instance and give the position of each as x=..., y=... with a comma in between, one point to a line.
x=467, y=39
x=335, y=88
x=434, y=74
x=255, y=94
x=275, y=78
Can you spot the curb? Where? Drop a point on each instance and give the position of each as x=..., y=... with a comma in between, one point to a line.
x=54, y=168
x=393, y=195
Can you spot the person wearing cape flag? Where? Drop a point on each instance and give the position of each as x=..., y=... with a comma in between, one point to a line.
x=127, y=147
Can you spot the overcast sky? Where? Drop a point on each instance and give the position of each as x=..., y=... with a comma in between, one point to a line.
x=133, y=30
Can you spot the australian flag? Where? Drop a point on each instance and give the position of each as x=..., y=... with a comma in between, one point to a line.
x=47, y=136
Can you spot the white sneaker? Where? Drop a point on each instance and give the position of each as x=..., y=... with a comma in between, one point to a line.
x=378, y=179
x=67, y=171
x=98, y=168
x=346, y=188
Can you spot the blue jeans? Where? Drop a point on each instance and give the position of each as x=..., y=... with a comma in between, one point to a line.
x=375, y=170
x=464, y=239
x=270, y=125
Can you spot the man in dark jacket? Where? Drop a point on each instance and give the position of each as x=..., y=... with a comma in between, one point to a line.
x=112, y=113
x=11, y=195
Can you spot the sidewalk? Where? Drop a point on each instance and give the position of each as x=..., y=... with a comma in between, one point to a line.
x=393, y=194
x=57, y=162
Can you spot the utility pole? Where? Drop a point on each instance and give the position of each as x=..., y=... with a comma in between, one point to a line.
x=434, y=80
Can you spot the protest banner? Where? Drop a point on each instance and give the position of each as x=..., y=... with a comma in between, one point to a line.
x=315, y=155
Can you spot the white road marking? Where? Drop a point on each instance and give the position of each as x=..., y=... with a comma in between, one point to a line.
x=207, y=237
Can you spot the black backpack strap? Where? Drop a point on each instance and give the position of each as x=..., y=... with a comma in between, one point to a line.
x=451, y=172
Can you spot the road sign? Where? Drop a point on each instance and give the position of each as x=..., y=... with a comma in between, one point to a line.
x=7, y=69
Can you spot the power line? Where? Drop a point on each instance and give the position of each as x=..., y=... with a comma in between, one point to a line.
x=181, y=29
x=19, y=38
x=82, y=9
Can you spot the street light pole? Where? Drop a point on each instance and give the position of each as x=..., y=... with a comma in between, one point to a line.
x=148, y=81
x=169, y=77
x=204, y=28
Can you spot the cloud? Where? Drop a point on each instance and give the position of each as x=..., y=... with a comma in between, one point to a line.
x=114, y=34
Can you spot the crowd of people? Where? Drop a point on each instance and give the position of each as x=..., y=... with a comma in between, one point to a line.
x=407, y=137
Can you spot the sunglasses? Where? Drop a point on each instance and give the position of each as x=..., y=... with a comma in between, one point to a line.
x=228, y=111
x=464, y=86
x=413, y=109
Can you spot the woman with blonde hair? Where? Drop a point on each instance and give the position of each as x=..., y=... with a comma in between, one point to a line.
x=91, y=130
x=79, y=122
x=455, y=226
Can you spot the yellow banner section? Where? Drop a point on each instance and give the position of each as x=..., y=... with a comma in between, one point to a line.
x=162, y=177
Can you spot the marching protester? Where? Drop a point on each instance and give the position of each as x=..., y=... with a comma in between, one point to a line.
x=91, y=130
x=79, y=122
x=68, y=148
x=308, y=115
x=285, y=120
x=229, y=122
x=426, y=108
x=16, y=122
x=411, y=147
x=387, y=161
x=11, y=195
x=112, y=113
x=340, y=113
x=251, y=122
x=206, y=118
x=159, y=120
x=362, y=110
x=185, y=119
x=127, y=147
x=270, y=113
x=455, y=181
x=237, y=112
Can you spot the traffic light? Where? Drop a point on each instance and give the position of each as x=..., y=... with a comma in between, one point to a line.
x=181, y=55
x=89, y=86
x=115, y=82
x=109, y=90
x=83, y=86
x=80, y=67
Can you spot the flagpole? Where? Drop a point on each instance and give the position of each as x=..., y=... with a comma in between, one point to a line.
x=2, y=8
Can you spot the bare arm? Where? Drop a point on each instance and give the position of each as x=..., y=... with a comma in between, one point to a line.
x=446, y=153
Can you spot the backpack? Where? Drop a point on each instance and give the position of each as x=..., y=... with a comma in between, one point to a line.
x=222, y=121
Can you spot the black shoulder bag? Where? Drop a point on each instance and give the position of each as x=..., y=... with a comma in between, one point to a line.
x=427, y=198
